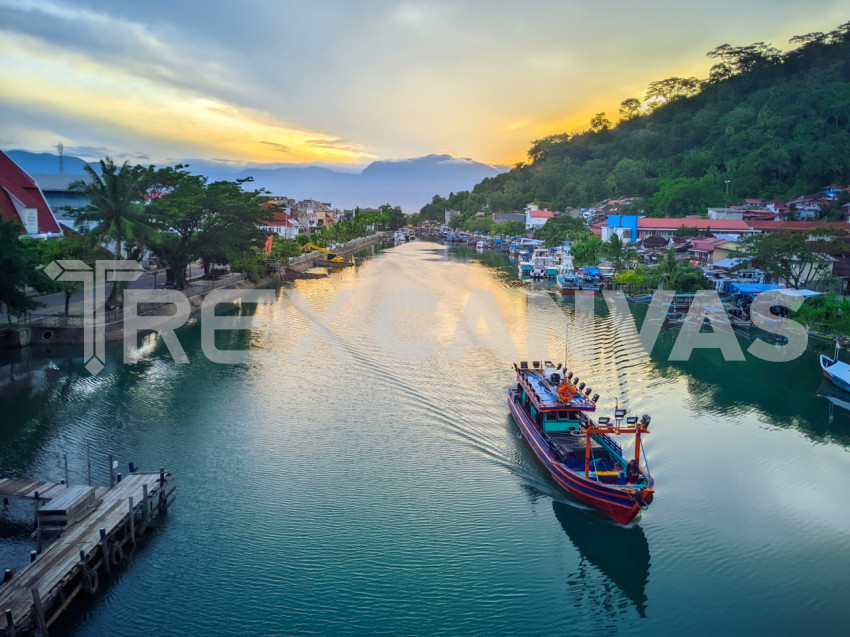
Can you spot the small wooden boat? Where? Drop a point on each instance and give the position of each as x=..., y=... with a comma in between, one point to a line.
x=550, y=406
x=835, y=370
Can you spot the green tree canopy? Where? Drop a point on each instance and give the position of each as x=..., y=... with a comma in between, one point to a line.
x=19, y=261
x=116, y=207
x=790, y=257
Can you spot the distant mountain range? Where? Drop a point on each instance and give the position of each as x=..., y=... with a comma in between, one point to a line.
x=409, y=183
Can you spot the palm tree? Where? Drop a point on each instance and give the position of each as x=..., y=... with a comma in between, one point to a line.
x=617, y=252
x=115, y=207
x=678, y=275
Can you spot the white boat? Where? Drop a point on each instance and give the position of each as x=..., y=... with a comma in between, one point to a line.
x=524, y=263
x=835, y=370
x=541, y=260
x=564, y=261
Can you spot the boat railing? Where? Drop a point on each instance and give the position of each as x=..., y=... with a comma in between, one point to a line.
x=613, y=444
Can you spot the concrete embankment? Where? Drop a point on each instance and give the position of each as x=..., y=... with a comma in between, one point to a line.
x=316, y=259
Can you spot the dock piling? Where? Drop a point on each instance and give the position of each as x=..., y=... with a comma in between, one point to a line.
x=104, y=549
x=132, y=521
x=39, y=612
x=111, y=471
x=86, y=549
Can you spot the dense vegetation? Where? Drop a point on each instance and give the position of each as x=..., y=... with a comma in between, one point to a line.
x=772, y=125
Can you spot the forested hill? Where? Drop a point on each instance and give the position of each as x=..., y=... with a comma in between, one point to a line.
x=775, y=125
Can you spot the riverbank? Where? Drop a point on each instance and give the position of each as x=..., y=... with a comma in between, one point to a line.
x=43, y=329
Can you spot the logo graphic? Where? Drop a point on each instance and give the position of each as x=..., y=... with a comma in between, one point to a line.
x=94, y=299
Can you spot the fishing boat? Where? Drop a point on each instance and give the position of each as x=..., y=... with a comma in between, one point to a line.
x=540, y=261
x=568, y=283
x=524, y=265
x=590, y=279
x=835, y=370
x=551, y=407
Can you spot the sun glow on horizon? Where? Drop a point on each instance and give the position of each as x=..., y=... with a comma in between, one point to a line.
x=253, y=84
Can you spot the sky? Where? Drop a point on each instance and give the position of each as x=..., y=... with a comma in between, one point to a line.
x=351, y=81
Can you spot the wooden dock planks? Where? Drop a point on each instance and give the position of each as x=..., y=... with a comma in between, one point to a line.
x=52, y=571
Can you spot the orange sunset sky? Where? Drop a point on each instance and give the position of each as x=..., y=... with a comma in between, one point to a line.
x=348, y=82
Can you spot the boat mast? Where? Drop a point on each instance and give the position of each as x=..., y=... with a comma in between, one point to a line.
x=637, y=445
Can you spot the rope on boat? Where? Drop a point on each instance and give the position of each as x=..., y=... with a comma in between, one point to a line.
x=592, y=460
x=645, y=461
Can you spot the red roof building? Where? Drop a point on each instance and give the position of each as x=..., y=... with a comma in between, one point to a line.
x=801, y=226
x=22, y=201
x=667, y=228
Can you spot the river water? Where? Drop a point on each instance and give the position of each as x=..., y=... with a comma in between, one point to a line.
x=357, y=485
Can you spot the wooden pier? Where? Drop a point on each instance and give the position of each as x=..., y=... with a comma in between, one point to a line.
x=98, y=527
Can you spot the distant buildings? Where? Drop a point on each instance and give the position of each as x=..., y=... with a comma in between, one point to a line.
x=535, y=218
x=282, y=224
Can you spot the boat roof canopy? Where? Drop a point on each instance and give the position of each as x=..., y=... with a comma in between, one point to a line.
x=753, y=288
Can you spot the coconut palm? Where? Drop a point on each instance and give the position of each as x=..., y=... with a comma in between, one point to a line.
x=681, y=276
x=115, y=208
x=617, y=252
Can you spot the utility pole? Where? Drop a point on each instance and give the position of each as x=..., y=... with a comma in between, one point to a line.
x=727, y=182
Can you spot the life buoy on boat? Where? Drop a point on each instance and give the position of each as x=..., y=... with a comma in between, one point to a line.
x=565, y=393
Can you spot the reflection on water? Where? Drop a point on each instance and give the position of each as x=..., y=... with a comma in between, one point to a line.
x=384, y=496
x=619, y=554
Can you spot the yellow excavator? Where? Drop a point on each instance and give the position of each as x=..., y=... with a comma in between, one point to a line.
x=331, y=256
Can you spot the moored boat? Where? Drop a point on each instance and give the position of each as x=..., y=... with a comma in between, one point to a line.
x=551, y=408
x=568, y=283
x=835, y=370
x=524, y=265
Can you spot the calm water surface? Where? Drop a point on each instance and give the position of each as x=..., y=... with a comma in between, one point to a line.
x=373, y=495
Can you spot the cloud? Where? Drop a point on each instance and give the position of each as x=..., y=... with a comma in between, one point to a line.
x=340, y=144
x=281, y=148
x=345, y=81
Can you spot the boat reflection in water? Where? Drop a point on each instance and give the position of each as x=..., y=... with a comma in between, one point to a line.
x=836, y=397
x=620, y=554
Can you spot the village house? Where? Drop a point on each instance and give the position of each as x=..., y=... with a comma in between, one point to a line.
x=813, y=229
x=536, y=218
x=669, y=227
x=281, y=224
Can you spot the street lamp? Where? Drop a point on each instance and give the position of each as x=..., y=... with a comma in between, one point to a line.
x=727, y=182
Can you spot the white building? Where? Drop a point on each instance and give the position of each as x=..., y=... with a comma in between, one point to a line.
x=536, y=218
